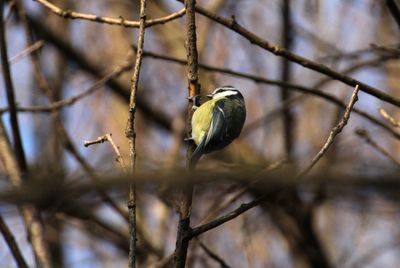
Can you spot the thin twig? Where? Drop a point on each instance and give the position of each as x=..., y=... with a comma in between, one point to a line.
x=12, y=244
x=56, y=105
x=214, y=255
x=36, y=46
x=364, y=134
x=131, y=135
x=220, y=206
x=19, y=150
x=85, y=63
x=227, y=217
x=389, y=118
x=104, y=138
x=69, y=14
x=29, y=213
x=281, y=52
x=334, y=132
x=394, y=10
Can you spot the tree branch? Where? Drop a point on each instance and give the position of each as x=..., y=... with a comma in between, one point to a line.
x=334, y=132
x=185, y=207
x=10, y=240
x=69, y=14
x=131, y=135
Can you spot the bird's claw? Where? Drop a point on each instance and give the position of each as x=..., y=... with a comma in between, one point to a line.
x=195, y=100
x=188, y=139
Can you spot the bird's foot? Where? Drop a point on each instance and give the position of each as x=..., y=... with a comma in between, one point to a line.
x=189, y=139
x=195, y=100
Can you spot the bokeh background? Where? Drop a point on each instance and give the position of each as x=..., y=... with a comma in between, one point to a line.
x=353, y=225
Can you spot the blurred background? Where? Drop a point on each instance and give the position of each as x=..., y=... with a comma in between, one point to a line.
x=345, y=218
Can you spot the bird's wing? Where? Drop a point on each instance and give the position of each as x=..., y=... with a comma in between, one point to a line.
x=218, y=122
x=217, y=127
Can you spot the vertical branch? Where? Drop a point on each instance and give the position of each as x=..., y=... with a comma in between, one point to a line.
x=287, y=114
x=19, y=150
x=394, y=10
x=131, y=135
x=17, y=172
x=182, y=239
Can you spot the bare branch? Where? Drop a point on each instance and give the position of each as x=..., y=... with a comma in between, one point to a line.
x=334, y=132
x=214, y=255
x=56, y=105
x=394, y=10
x=19, y=150
x=131, y=135
x=10, y=240
x=69, y=14
x=389, y=118
x=104, y=138
x=185, y=207
x=227, y=217
x=364, y=134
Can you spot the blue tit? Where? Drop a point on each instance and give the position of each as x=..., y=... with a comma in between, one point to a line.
x=217, y=122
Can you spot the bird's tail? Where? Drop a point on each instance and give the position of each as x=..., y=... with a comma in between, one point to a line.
x=195, y=157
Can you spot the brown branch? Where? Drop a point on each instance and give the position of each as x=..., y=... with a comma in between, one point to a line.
x=36, y=46
x=131, y=135
x=394, y=10
x=57, y=105
x=31, y=216
x=185, y=206
x=389, y=118
x=69, y=14
x=29, y=213
x=216, y=208
x=19, y=150
x=279, y=51
x=364, y=134
x=82, y=60
x=334, y=132
x=227, y=217
x=12, y=244
x=288, y=116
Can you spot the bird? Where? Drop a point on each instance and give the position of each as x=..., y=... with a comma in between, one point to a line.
x=217, y=122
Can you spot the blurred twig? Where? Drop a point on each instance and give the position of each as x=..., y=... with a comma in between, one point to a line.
x=19, y=150
x=394, y=10
x=364, y=134
x=10, y=240
x=16, y=172
x=334, y=132
x=213, y=255
x=56, y=105
x=389, y=118
x=82, y=60
x=69, y=14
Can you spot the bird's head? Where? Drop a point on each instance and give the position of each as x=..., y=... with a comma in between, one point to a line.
x=225, y=92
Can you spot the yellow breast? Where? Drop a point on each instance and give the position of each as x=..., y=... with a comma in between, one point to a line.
x=201, y=120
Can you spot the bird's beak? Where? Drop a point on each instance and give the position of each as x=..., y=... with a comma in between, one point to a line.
x=209, y=96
